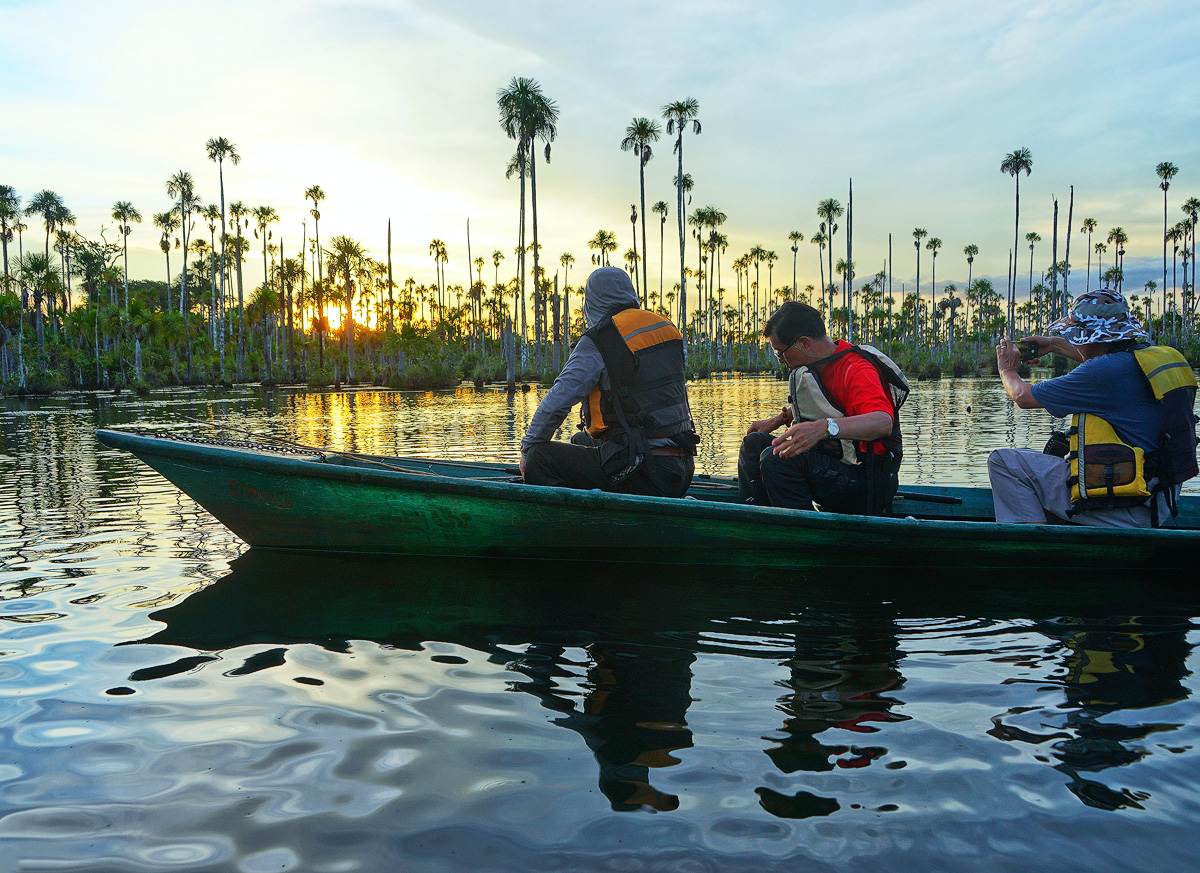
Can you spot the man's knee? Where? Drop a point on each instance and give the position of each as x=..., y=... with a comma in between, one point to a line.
x=770, y=463
x=1003, y=462
x=754, y=444
x=536, y=453
x=538, y=463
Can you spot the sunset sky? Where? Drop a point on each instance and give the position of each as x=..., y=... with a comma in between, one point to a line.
x=391, y=108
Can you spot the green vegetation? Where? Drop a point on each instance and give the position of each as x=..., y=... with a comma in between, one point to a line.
x=71, y=317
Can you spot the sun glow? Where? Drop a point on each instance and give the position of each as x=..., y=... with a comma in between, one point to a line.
x=337, y=314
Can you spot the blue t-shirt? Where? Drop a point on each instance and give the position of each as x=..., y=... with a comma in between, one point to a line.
x=1113, y=387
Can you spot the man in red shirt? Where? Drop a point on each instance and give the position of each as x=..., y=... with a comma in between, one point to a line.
x=804, y=464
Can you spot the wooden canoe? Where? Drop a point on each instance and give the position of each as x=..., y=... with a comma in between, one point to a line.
x=283, y=497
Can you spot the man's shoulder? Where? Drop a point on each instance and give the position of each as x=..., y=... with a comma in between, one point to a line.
x=1116, y=365
x=854, y=362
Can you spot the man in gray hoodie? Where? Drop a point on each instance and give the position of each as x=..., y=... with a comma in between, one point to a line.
x=627, y=370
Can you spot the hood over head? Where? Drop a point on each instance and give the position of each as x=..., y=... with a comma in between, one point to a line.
x=609, y=290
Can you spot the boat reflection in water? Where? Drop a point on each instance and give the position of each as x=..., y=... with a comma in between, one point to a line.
x=631, y=660
x=1112, y=666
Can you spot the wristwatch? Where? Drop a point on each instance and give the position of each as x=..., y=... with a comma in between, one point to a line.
x=833, y=427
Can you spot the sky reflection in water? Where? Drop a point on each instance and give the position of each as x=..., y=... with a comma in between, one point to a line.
x=326, y=714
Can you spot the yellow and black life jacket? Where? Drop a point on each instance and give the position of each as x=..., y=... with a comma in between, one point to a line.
x=647, y=393
x=1106, y=472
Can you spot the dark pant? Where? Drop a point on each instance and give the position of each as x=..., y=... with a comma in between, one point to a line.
x=765, y=479
x=578, y=465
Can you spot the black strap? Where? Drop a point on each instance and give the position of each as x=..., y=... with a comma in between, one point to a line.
x=637, y=444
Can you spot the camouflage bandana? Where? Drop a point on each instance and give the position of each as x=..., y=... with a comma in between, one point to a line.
x=1099, y=317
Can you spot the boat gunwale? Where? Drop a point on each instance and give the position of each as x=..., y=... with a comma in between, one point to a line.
x=511, y=492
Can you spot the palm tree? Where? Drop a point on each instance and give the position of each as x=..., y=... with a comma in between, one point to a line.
x=316, y=195
x=168, y=223
x=1166, y=171
x=638, y=137
x=820, y=240
x=829, y=210
x=1191, y=208
x=970, y=251
x=240, y=214
x=345, y=257
x=213, y=217
x=50, y=207
x=1089, y=225
x=220, y=149
x=137, y=325
x=932, y=246
x=604, y=241
x=527, y=115
x=123, y=212
x=1014, y=163
x=756, y=255
x=685, y=183
x=681, y=115
x=796, y=238
x=919, y=233
x=182, y=187
x=1033, y=238
x=771, y=258
x=10, y=211
x=36, y=271
x=436, y=249
x=497, y=257
x=1118, y=238
x=264, y=216
x=566, y=259
x=1100, y=248
x=662, y=209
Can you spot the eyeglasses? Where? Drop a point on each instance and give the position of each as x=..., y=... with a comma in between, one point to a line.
x=780, y=354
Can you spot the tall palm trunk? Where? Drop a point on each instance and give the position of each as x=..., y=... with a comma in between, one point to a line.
x=821, y=264
x=349, y=331
x=1012, y=293
x=241, y=337
x=645, y=251
x=224, y=262
x=679, y=221
x=519, y=345
x=1164, y=187
x=662, y=231
x=125, y=246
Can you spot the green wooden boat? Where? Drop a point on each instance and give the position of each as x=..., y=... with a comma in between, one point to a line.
x=298, y=498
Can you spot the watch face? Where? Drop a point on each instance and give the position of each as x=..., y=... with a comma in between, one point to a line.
x=833, y=427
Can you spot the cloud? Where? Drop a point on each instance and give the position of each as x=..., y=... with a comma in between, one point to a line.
x=390, y=106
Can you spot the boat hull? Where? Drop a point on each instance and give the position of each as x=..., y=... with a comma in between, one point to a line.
x=277, y=501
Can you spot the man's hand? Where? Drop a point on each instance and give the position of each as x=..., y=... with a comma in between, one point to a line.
x=522, y=465
x=767, y=425
x=1054, y=345
x=800, y=437
x=1008, y=357
x=1043, y=344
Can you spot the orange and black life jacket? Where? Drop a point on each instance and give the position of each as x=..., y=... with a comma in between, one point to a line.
x=647, y=394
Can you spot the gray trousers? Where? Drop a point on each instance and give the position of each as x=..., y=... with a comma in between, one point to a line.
x=1028, y=486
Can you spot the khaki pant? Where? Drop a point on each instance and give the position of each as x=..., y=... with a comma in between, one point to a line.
x=1028, y=486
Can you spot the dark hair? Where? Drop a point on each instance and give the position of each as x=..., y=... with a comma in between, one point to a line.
x=793, y=320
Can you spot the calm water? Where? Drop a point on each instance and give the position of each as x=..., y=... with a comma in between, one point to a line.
x=169, y=701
